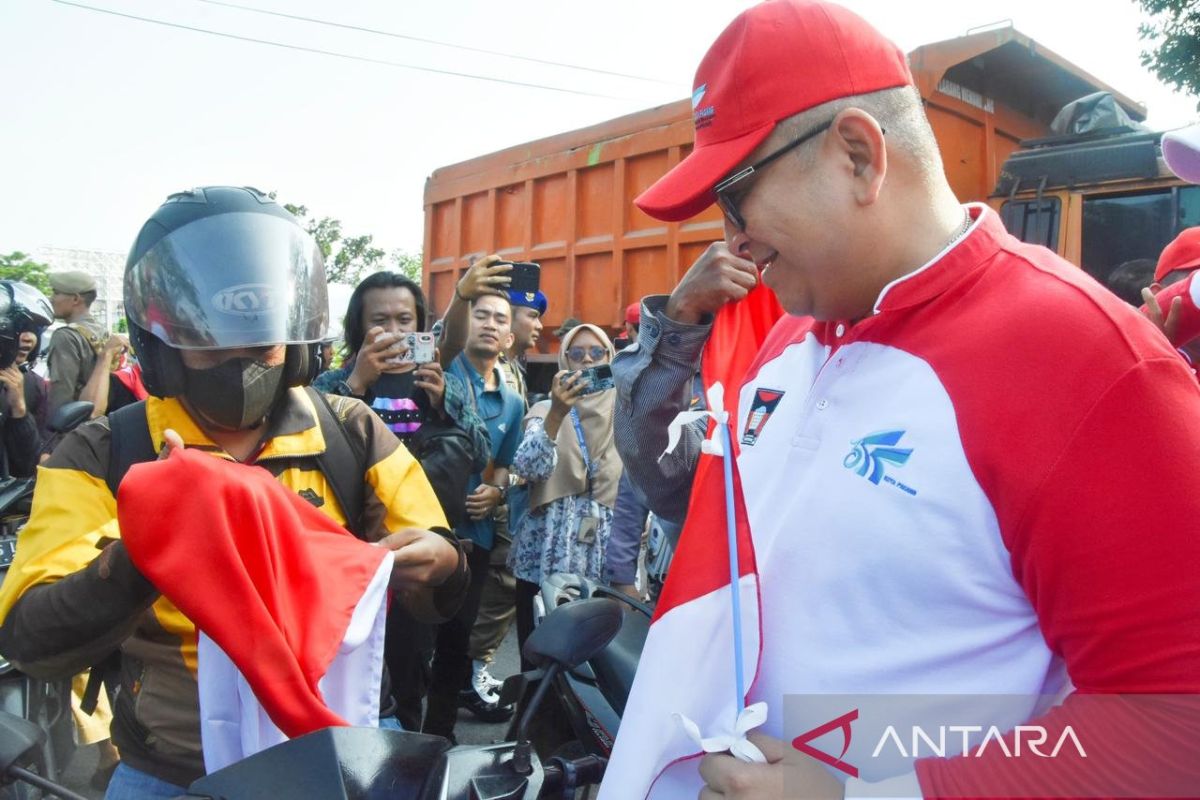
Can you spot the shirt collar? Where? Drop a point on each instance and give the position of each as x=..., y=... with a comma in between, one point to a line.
x=477, y=379
x=945, y=269
x=291, y=431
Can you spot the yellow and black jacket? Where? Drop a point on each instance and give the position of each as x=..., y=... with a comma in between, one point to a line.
x=63, y=607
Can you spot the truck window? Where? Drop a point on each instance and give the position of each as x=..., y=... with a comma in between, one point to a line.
x=1119, y=228
x=1033, y=221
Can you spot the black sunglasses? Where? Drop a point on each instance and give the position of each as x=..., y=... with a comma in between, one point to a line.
x=728, y=204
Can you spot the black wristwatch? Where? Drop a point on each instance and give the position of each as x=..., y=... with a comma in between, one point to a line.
x=503, y=494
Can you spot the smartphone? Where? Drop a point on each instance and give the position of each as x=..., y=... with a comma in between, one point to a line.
x=597, y=379
x=526, y=276
x=420, y=348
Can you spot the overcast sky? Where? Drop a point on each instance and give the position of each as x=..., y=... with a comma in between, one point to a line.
x=105, y=115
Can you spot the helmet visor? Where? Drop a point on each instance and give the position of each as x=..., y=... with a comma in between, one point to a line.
x=230, y=280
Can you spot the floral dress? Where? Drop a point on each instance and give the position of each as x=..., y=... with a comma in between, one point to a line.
x=547, y=539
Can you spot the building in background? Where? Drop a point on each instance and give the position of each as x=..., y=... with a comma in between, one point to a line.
x=108, y=268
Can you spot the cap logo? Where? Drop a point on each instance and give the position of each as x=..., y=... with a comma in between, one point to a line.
x=701, y=117
x=245, y=300
x=530, y=296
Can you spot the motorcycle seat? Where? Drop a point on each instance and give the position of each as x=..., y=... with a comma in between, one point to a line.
x=615, y=665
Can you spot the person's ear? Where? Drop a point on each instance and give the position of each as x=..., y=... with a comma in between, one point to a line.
x=859, y=142
x=508, y=341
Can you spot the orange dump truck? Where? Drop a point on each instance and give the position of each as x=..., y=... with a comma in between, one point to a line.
x=566, y=201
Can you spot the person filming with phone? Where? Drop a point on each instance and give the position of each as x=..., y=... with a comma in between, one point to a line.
x=392, y=366
x=570, y=460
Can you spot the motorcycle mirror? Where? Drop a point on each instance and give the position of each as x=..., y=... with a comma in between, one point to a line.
x=574, y=632
x=69, y=416
x=17, y=737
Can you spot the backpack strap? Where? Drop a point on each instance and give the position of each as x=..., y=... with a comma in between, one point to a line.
x=343, y=463
x=129, y=442
x=93, y=341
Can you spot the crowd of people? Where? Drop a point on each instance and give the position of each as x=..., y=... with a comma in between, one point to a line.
x=504, y=485
x=939, y=488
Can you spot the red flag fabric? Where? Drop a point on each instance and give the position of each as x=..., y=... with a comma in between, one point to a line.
x=702, y=560
x=270, y=579
x=693, y=622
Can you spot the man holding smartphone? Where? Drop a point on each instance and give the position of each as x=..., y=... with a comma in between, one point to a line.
x=488, y=333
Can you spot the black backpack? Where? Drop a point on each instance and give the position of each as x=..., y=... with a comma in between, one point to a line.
x=447, y=456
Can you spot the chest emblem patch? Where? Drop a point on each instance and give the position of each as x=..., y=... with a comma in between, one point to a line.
x=765, y=402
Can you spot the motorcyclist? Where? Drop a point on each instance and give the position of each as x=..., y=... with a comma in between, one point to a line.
x=226, y=299
x=23, y=310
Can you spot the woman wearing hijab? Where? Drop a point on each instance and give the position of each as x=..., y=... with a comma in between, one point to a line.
x=570, y=461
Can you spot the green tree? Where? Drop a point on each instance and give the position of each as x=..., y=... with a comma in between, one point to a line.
x=349, y=259
x=407, y=264
x=17, y=266
x=1173, y=39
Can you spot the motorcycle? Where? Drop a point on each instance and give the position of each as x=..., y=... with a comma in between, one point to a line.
x=45, y=704
x=368, y=763
x=589, y=699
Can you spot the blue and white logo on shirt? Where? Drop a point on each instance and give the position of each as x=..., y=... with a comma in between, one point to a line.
x=871, y=455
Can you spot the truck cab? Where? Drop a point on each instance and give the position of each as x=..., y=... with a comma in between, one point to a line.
x=1098, y=199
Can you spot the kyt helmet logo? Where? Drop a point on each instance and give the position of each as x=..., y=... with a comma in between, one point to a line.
x=246, y=300
x=842, y=723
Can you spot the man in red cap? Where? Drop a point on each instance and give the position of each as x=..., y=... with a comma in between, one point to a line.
x=1173, y=300
x=633, y=318
x=941, y=487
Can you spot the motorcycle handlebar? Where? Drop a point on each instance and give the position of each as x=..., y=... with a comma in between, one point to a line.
x=605, y=591
x=571, y=773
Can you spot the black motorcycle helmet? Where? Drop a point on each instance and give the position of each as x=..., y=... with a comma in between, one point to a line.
x=23, y=309
x=221, y=267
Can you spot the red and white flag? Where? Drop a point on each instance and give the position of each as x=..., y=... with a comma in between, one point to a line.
x=686, y=675
x=290, y=607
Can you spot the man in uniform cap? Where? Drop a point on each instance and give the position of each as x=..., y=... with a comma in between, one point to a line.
x=939, y=491
x=75, y=346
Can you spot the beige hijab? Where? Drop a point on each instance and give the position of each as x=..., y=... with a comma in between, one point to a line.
x=596, y=418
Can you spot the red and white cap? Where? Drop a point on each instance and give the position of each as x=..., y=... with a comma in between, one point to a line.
x=775, y=60
x=1182, y=253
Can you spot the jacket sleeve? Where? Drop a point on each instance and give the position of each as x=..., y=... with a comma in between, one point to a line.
x=64, y=607
x=654, y=383
x=21, y=444
x=465, y=417
x=328, y=380
x=1103, y=551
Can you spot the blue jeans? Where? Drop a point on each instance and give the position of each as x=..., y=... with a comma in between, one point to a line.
x=131, y=784
x=390, y=724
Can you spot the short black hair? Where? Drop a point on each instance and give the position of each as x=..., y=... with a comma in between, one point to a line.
x=489, y=294
x=352, y=325
x=88, y=298
x=1127, y=280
